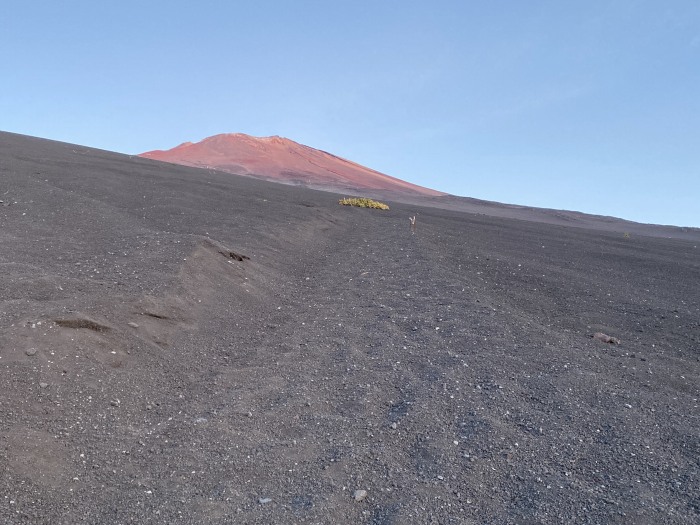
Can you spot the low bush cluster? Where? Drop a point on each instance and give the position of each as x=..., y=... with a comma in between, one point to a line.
x=363, y=202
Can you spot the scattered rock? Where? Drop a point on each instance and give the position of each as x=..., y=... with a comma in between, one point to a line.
x=43, y=385
x=30, y=351
x=359, y=495
x=114, y=402
x=600, y=336
x=393, y=426
x=133, y=325
x=263, y=501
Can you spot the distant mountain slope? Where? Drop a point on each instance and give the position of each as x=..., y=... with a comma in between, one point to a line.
x=283, y=160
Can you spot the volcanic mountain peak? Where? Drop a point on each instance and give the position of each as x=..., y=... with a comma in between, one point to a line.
x=283, y=160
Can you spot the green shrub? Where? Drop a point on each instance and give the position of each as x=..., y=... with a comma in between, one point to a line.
x=363, y=202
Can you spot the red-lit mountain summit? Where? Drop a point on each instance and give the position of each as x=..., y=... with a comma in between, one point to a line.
x=283, y=160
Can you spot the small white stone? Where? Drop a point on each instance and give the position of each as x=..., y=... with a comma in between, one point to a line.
x=359, y=495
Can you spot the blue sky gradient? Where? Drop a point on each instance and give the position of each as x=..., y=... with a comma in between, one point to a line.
x=591, y=106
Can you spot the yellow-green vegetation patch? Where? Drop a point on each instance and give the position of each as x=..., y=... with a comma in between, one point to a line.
x=363, y=202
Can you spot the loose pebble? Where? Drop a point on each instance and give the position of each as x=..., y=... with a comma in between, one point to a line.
x=605, y=338
x=359, y=495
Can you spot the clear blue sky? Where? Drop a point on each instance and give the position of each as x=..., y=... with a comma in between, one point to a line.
x=585, y=105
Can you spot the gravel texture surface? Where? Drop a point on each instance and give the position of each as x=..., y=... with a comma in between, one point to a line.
x=184, y=346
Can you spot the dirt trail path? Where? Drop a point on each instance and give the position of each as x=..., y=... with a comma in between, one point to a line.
x=403, y=365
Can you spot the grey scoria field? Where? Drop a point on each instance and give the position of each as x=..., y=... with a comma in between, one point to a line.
x=181, y=346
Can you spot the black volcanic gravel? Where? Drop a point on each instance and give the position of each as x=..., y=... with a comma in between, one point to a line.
x=149, y=376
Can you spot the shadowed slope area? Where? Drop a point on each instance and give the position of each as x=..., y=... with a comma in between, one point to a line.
x=184, y=346
x=283, y=160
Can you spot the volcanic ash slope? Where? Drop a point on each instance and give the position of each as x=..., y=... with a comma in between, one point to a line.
x=179, y=346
